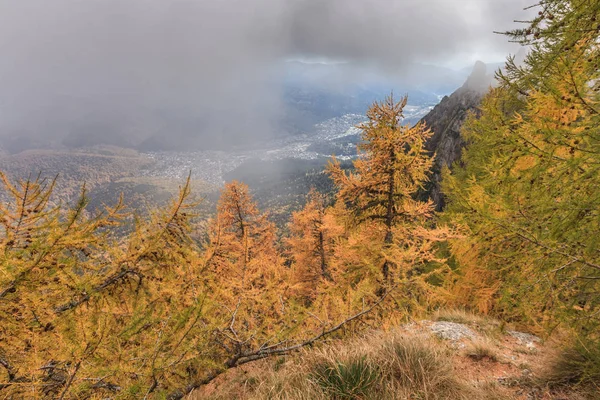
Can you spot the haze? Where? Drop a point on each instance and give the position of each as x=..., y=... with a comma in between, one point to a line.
x=205, y=73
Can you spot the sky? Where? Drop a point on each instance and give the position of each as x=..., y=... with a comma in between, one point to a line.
x=133, y=69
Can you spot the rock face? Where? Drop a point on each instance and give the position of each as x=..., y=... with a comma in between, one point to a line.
x=446, y=120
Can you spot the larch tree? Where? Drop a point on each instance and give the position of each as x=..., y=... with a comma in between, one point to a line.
x=380, y=196
x=248, y=277
x=311, y=245
x=529, y=186
x=88, y=313
x=241, y=248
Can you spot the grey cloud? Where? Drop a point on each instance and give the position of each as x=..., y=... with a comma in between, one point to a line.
x=126, y=70
x=397, y=32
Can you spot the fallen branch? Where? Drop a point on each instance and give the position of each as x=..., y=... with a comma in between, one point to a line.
x=262, y=352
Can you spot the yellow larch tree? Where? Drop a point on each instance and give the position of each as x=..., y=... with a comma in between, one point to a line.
x=242, y=249
x=88, y=312
x=249, y=279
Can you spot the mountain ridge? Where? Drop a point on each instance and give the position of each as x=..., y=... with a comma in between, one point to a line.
x=445, y=122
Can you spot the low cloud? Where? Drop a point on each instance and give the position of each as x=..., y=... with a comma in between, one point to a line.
x=206, y=71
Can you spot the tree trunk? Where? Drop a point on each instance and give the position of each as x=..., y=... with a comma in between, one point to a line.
x=324, y=270
x=389, y=218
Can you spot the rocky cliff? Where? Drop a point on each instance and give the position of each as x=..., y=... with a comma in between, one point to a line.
x=446, y=119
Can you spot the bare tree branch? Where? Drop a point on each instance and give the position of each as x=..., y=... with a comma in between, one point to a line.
x=70, y=381
x=264, y=352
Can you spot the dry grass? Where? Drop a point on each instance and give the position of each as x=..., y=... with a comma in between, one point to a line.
x=382, y=366
x=419, y=366
x=482, y=350
x=414, y=364
x=573, y=366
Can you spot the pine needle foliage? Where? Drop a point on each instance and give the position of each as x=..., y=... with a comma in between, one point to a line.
x=528, y=184
x=91, y=311
x=392, y=239
x=313, y=240
x=86, y=314
x=249, y=281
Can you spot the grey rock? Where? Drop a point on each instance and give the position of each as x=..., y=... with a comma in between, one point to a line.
x=452, y=330
x=525, y=339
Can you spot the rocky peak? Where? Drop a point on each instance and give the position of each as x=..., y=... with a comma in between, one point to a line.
x=446, y=119
x=479, y=80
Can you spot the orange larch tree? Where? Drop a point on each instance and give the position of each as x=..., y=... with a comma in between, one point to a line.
x=380, y=194
x=242, y=249
x=311, y=245
x=248, y=277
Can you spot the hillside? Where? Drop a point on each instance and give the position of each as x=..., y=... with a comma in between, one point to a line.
x=454, y=355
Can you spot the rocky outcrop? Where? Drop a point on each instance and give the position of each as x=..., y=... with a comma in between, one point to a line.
x=446, y=120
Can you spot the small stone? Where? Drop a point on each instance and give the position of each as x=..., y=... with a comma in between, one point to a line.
x=525, y=339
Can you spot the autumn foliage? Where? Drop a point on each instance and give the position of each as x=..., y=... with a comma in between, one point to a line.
x=118, y=305
x=113, y=305
x=390, y=231
x=314, y=236
x=84, y=312
x=527, y=186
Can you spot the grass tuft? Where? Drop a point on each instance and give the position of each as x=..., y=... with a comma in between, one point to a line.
x=481, y=350
x=347, y=380
x=421, y=367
